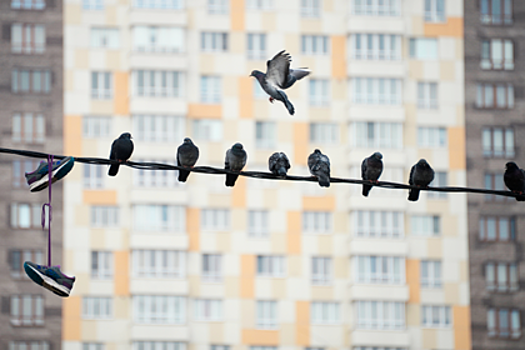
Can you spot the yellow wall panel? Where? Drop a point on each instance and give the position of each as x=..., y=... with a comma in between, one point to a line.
x=239, y=193
x=453, y=27
x=193, y=227
x=302, y=321
x=338, y=57
x=237, y=14
x=326, y=203
x=200, y=111
x=456, y=149
x=246, y=97
x=461, y=322
x=107, y=197
x=294, y=232
x=260, y=337
x=71, y=311
x=73, y=135
x=300, y=137
x=122, y=275
x=412, y=273
x=247, y=276
x=121, y=98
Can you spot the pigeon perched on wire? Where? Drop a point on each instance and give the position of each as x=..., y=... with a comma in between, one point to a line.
x=235, y=160
x=514, y=179
x=187, y=155
x=371, y=169
x=319, y=165
x=278, y=163
x=279, y=77
x=121, y=150
x=421, y=175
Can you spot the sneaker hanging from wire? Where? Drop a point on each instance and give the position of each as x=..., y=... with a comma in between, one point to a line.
x=38, y=179
x=50, y=278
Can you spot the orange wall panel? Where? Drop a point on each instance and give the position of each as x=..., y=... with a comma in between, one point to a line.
x=247, y=276
x=326, y=203
x=107, y=197
x=338, y=57
x=452, y=27
x=300, y=136
x=461, y=322
x=201, y=111
x=260, y=337
x=121, y=98
x=239, y=193
x=302, y=321
x=193, y=227
x=237, y=15
x=71, y=313
x=73, y=135
x=246, y=97
x=122, y=275
x=457, y=152
x=293, y=231
x=412, y=274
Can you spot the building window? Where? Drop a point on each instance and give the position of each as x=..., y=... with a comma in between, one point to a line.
x=25, y=81
x=380, y=269
x=376, y=91
x=321, y=270
x=93, y=4
x=207, y=130
x=28, y=5
x=25, y=216
x=157, y=345
x=93, y=177
x=379, y=224
x=256, y=46
x=430, y=274
x=156, y=179
x=92, y=346
x=380, y=315
x=498, y=142
x=317, y=222
x=497, y=54
x=311, y=8
x=28, y=38
x=423, y=49
x=433, y=316
x=97, y=308
x=27, y=310
x=157, y=83
x=28, y=128
x=376, y=348
x=96, y=127
x=427, y=95
x=440, y=180
x=158, y=128
x=271, y=266
x=258, y=223
x=106, y=38
x=324, y=132
x=158, y=39
x=435, y=11
x=18, y=257
x=159, y=4
x=19, y=168
x=504, y=323
x=264, y=5
x=159, y=218
x=319, y=94
x=210, y=89
x=212, y=267
x=377, y=135
x=376, y=7
x=159, y=309
x=159, y=263
x=265, y=134
x=101, y=265
x=25, y=345
x=314, y=45
x=101, y=85
x=263, y=348
x=105, y=216
x=497, y=229
x=495, y=96
x=266, y=314
x=214, y=42
x=501, y=277
x=383, y=47
x=218, y=7
x=495, y=182
x=325, y=313
x=425, y=225
x=431, y=137
x=215, y=219
x=496, y=12
x=209, y=310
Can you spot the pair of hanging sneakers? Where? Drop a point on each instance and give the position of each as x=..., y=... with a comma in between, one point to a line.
x=49, y=277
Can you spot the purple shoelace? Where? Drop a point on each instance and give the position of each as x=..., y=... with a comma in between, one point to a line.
x=48, y=205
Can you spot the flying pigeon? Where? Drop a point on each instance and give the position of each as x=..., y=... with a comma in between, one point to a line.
x=279, y=77
x=319, y=165
x=121, y=150
x=421, y=175
x=235, y=160
x=371, y=169
x=279, y=164
x=187, y=155
x=514, y=178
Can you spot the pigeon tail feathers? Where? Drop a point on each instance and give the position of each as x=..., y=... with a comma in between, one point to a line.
x=230, y=179
x=324, y=181
x=183, y=175
x=113, y=169
x=281, y=171
x=366, y=190
x=413, y=195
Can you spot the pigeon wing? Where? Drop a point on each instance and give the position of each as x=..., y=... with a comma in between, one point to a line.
x=278, y=69
x=363, y=169
x=411, y=177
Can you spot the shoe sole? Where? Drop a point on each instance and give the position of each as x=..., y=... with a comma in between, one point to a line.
x=56, y=175
x=46, y=282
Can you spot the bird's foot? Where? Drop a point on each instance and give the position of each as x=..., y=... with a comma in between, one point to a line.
x=271, y=99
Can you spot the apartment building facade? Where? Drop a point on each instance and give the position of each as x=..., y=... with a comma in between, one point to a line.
x=266, y=265
x=31, y=97
x=493, y=122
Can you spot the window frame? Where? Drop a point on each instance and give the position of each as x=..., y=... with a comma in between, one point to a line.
x=503, y=19
x=487, y=60
x=483, y=235
x=495, y=331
